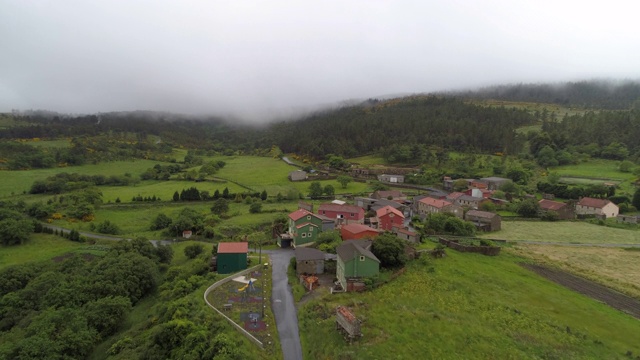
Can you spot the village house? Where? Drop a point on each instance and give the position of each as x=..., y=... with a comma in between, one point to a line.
x=355, y=263
x=187, y=234
x=429, y=206
x=471, y=202
x=479, y=193
x=629, y=219
x=388, y=195
x=454, y=196
x=342, y=214
x=391, y=178
x=232, y=257
x=298, y=175
x=304, y=227
x=406, y=235
x=597, y=207
x=309, y=261
x=494, y=183
x=484, y=220
x=564, y=211
x=389, y=217
x=358, y=231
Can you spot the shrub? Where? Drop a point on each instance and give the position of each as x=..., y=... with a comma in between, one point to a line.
x=192, y=251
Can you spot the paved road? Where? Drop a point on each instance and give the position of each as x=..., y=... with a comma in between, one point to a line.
x=284, y=308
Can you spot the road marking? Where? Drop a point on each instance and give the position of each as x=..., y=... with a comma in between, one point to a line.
x=277, y=300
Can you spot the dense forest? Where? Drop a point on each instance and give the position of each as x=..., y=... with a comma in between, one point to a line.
x=404, y=130
x=610, y=95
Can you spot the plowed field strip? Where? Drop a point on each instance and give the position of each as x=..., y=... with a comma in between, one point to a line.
x=589, y=288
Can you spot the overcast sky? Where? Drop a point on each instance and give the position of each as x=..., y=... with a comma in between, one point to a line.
x=272, y=57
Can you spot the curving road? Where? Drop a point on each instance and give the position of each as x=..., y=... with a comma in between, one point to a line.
x=284, y=309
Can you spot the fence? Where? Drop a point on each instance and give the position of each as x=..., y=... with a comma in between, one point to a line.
x=224, y=281
x=484, y=250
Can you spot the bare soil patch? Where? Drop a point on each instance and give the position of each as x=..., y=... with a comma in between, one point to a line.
x=589, y=288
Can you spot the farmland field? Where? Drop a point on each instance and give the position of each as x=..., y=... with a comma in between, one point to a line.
x=21, y=180
x=594, y=169
x=38, y=247
x=469, y=306
x=614, y=267
x=564, y=232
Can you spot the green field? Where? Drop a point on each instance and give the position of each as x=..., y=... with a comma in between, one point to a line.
x=595, y=169
x=564, y=232
x=368, y=160
x=59, y=143
x=21, y=180
x=39, y=247
x=469, y=306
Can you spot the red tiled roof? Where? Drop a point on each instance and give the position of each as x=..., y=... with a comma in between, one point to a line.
x=551, y=205
x=342, y=208
x=455, y=195
x=358, y=228
x=233, y=247
x=437, y=203
x=298, y=214
x=594, y=203
x=388, y=209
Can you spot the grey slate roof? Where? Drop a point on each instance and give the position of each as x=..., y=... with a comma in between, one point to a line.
x=305, y=253
x=349, y=249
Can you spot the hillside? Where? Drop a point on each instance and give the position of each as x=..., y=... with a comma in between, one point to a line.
x=610, y=95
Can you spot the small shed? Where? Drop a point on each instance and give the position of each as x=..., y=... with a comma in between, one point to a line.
x=484, y=220
x=232, y=257
x=309, y=261
x=298, y=175
x=187, y=234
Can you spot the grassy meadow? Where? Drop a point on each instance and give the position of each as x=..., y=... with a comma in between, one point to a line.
x=613, y=267
x=15, y=182
x=470, y=306
x=564, y=232
x=39, y=247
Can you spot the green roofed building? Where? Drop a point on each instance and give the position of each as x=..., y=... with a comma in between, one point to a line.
x=232, y=257
x=355, y=262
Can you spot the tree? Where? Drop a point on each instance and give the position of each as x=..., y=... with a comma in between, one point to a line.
x=636, y=199
x=344, y=180
x=176, y=196
x=107, y=227
x=626, y=166
x=460, y=185
x=161, y=221
x=263, y=195
x=329, y=190
x=192, y=251
x=220, y=206
x=389, y=249
x=14, y=231
x=255, y=208
x=528, y=208
x=225, y=193
x=315, y=189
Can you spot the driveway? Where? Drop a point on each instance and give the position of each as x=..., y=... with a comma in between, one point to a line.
x=283, y=307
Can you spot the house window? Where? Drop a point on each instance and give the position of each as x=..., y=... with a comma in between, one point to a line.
x=352, y=214
x=323, y=212
x=310, y=229
x=309, y=235
x=304, y=235
x=308, y=217
x=361, y=258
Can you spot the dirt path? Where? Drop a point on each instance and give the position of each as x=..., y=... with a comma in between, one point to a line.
x=589, y=288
